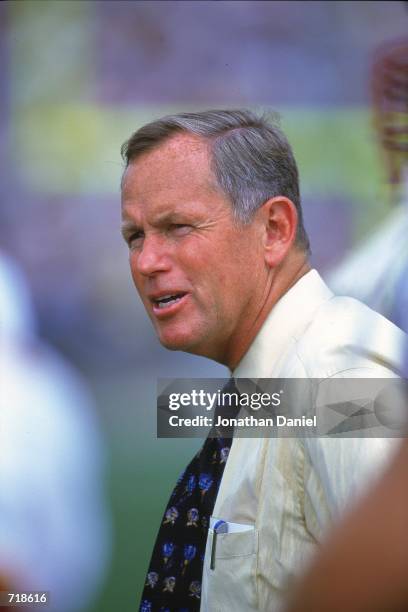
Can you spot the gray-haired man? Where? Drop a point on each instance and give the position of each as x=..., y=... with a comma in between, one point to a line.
x=219, y=256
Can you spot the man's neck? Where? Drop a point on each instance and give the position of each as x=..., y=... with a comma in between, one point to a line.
x=281, y=280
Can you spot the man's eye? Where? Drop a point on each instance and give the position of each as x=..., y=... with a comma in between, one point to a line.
x=135, y=239
x=180, y=229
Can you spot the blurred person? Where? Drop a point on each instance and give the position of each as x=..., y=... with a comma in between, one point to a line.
x=219, y=256
x=382, y=285
x=362, y=566
x=54, y=525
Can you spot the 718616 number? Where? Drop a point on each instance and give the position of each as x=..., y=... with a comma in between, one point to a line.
x=26, y=597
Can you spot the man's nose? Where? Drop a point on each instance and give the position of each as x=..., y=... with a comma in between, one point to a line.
x=153, y=256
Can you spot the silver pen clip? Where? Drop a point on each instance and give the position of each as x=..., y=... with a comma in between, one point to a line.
x=219, y=527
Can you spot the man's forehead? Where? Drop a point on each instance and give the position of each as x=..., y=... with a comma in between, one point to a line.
x=182, y=144
x=178, y=168
x=181, y=155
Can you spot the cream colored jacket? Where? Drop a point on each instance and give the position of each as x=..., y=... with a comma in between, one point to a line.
x=279, y=495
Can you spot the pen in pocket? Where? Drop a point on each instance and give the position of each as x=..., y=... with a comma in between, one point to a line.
x=219, y=527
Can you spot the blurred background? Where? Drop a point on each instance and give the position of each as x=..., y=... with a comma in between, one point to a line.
x=76, y=79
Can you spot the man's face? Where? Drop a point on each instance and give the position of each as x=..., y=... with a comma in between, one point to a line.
x=201, y=276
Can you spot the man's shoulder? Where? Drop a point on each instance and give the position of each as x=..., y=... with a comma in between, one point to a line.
x=346, y=335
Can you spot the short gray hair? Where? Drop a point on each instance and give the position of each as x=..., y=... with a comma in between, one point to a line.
x=251, y=157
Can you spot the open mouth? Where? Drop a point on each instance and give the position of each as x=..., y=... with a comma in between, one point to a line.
x=168, y=300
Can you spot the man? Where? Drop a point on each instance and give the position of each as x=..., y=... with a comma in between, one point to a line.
x=219, y=256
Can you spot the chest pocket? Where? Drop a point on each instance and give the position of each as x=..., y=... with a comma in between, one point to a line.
x=230, y=584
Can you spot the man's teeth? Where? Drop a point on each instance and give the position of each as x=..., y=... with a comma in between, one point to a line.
x=167, y=300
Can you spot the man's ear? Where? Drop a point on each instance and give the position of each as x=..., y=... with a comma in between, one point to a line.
x=280, y=220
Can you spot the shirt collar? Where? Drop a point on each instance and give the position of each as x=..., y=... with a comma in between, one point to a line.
x=286, y=321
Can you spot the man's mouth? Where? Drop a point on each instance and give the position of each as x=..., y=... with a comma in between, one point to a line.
x=168, y=300
x=169, y=303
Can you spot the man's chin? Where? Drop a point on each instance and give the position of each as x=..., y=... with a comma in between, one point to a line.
x=182, y=342
x=173, y=344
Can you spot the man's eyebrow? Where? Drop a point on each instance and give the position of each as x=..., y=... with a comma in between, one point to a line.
x=169, y=216
x=161, y=218
x=165, y=217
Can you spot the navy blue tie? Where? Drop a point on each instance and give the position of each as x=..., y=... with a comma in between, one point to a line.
x=173, y=581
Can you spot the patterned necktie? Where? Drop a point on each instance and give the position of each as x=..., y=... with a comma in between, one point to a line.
x=173, y=582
